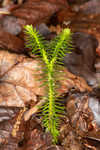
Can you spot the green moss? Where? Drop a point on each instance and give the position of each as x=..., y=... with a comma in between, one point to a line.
x=52, y=54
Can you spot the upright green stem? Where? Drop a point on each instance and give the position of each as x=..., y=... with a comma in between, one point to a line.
x=51, y=99
x=51, y=90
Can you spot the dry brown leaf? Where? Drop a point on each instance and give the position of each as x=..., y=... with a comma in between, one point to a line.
x=19, y=80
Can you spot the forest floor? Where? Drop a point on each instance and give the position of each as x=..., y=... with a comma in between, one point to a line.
x=20, y=88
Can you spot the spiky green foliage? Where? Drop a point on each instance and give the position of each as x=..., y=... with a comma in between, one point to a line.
x=52, y=55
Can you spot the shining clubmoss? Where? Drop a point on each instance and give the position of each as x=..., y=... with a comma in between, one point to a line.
x=52, y=55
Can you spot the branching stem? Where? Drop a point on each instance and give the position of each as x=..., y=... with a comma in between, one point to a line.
x=51, y=56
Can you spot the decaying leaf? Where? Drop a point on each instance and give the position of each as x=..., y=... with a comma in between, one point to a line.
x=19, y=80
x=83, y=112
x=33, y=12
x=9, y=41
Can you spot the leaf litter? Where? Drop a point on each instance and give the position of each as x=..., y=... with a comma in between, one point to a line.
x=19, y=86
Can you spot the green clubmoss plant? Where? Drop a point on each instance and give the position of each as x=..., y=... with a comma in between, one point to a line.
x=52, y=54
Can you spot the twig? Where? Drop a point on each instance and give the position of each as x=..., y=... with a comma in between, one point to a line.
x=33, y=110
x=18, y=121
x=4, y=11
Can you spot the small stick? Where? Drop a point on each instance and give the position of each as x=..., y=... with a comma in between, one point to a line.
x=33, y=110
x=18, y=121
x=4, y=11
